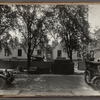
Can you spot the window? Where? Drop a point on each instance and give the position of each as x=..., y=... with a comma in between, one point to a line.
x=19, y=52
x=7, y=52
x=59, y=53
x=39, y=52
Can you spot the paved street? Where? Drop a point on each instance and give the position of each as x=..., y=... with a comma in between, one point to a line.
x=47, y=85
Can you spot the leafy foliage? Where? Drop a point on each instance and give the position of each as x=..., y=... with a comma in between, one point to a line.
x=30, y=23
x=6, y=23
x=73, y=26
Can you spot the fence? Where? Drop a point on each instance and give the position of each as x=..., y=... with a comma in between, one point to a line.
x=42, y=67
x=12, y=64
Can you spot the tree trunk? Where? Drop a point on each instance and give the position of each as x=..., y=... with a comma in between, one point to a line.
x=29, y=57
x=70, y=56
x=28, y=62
x=29, y=47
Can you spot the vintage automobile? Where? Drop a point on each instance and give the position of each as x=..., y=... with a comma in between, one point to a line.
x=92, y=74
x=36, y=58
x=6, y=78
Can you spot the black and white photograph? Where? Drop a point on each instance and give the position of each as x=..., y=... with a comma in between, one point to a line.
x=49, y=50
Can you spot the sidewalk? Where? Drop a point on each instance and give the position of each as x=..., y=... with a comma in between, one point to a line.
x=78, y=72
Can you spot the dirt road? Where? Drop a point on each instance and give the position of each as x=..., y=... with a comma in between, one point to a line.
x=47, y=85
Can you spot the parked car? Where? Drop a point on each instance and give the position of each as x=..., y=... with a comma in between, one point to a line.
x=6, y=78
x=92, y=74
x=36, y=58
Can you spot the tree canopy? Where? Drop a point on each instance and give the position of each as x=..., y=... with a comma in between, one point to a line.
x=68, y=23
x=30, y=24
x=6, y=23
x=73, y=27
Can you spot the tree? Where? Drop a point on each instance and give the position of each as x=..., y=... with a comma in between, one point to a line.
x=6, y=23
x=29, y=22
x=95, y=44
x=73, y=26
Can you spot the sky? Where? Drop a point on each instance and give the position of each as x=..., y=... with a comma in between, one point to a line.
x=94, y=17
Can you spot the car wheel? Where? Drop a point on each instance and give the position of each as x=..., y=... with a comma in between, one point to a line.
x=96, y=84
x=88, y=77
x=2, y=83
x=10, y=81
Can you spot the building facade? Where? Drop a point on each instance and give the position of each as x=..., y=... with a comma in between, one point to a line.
x=58, y=52
x=18, y=53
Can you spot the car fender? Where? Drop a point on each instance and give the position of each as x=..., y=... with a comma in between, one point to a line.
x=94, y=78
x=3, y=76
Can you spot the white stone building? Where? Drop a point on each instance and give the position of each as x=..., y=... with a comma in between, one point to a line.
x=18, y=53
x=58, y=52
